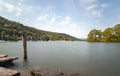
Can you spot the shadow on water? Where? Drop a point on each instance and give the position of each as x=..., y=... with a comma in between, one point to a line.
x=8, y=65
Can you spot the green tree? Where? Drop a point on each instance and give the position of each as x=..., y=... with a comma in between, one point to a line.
x=14, y=30
x=108, y=35
x=94, y=35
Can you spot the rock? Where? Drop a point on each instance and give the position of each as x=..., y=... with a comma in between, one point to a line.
x=3, y=55
x=76, y=74
x=8, y=72
x=45, y=71
x=5, y=59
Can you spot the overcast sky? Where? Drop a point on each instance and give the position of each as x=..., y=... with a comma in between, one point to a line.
x=73, y=17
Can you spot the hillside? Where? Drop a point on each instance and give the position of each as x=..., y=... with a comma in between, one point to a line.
x=12, y=30
x=108, y=35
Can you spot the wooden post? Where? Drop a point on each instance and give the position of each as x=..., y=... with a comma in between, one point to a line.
x=24, y=40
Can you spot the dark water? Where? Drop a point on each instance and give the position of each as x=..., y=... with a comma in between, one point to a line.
x=93, y=59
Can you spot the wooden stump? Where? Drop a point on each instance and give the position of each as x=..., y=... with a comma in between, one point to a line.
x=24, y=40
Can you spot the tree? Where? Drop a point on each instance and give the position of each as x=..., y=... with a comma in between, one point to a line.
x=14, y=30
x=94, y=35
x=108, y=35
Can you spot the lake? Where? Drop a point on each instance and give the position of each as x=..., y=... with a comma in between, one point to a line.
x=92, y=59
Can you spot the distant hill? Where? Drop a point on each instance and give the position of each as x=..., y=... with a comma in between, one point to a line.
x=108, y=35
x=12, y=30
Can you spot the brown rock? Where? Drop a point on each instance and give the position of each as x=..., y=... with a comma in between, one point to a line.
x=8, y=72
x=45, y=71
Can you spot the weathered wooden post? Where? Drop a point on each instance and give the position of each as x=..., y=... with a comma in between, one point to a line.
x=24, y=40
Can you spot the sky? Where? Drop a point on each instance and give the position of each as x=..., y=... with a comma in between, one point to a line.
x=73, y=17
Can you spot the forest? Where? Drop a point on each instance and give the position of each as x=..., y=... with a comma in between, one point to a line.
x=108, y=35
x=12, y=31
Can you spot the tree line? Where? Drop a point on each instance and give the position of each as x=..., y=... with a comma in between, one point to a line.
x=108, y=35
x=11, y=30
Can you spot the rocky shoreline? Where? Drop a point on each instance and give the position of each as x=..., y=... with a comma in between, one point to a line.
x=36, y=71
x=45, y=71
x=6, y=60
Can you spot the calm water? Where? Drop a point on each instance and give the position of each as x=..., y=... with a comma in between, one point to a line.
x=93, y=59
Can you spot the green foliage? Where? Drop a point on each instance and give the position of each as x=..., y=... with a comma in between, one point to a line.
x=94, y=35
x=13, y=31
x=108, y=35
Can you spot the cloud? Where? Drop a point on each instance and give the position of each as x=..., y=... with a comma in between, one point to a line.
x=9, y=7
x=18, y=11
x=105, y=5
x=43, y=17
x=89, y=4
x=89, y=1
x=19, y=3
x=16, y=8
x=97, y=13
x=65, y=25
x=62, y=24
x=22, y=0
x=74, y=29
x=52, y=20
x=0, y=5
x=66, y=20
x=1, y=1
x=99, y=10
x=47, y=18
x=91, y=7
x=94, y=7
